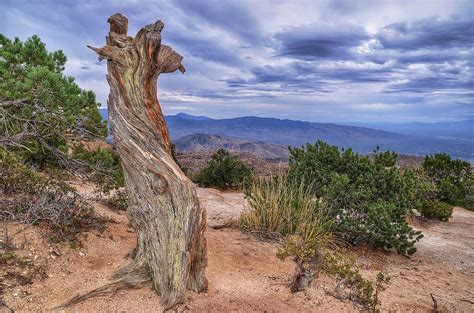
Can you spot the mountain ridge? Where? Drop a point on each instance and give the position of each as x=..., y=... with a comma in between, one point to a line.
x=200, y=142
x=287, y=132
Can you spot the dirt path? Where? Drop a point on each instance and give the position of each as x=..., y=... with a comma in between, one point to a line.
x=244, y=273
x=449, y=242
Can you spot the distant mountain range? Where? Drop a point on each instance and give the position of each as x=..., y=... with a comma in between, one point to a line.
x=199, y=142
x=245, y=131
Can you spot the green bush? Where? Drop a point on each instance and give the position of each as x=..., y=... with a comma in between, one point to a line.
x=368, y=199
x=387, y=158
x=15, y=176
x=454, y=179
x=437, y=210
x=42, y=110
x=223, y=171
x=44, y=115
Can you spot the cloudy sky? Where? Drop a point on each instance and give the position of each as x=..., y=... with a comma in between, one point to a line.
x=315, y=60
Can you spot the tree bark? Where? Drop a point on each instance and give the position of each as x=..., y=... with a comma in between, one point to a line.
x=163, y=205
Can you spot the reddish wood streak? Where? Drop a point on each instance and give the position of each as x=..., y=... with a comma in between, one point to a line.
x=155, y=114
x=150, y=51
x=121, y=80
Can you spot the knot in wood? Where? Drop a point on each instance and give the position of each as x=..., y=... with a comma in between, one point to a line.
x=160, y=183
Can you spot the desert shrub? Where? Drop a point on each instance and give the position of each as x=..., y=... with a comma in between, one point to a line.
x=364, y=292
x=223, y=171
x=419, y=188
x=42, y=111
x=387, y=158
x=30, y=198
x=454, y=179
x=288, y=210
x=15, y=175
x=308, y=255
x=368, y=199
x=436, y=210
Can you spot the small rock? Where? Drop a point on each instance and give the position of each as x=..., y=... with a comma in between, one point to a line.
x=81, y=253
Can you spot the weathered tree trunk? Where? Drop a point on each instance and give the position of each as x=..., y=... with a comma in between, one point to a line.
x=163, y=205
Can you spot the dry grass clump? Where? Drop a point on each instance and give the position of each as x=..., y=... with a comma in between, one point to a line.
x=284, y=207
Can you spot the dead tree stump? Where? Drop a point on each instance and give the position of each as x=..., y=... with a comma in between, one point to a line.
x=163, y=206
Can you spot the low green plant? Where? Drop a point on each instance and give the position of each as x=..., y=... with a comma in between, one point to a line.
x=454, y=179
x=436, y=210
x=368, y=199
x=7, y=256
x=223, y=171
x=308, y=255
x=387, y=158
x=15, y=175
x=364, y=292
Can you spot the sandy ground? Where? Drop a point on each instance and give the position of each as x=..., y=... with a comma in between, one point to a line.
x=244, y=273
